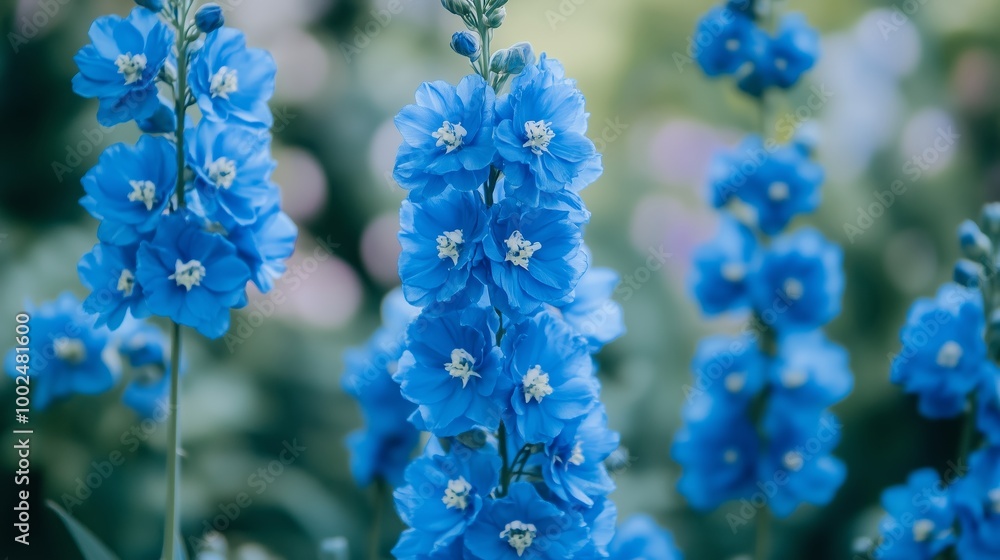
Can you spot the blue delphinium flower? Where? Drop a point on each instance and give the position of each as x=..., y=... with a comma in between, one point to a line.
x=800, y=281
x=552, y=375
x=441, y=245
x=592, y=313
x=121, y=65
x=919, y=519
x=976, y=498
x=521, y=524
x=600, y=520
x=573, y=463
x=232, y=83
x=109, y=272
x=141, y=343
x=536, y=256
x=266, y=244
x=988, y=414
x=383, y=447
x=209, y=17
x=810, y=373
x=726, y=40
x=733, y=368
x=795, y=50
x=541, y=132
x=445, y=493
x=191, y=276
x=451, y=370
x=447, y=138
x=67, y=353
x=639, y=537
x=776, y=185
x=943, y=351
x=130, y=188
x=718, y=448
x=721, y=266
x=232, y=166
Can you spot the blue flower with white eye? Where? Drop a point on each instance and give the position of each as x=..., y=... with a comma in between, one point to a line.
x=141, y=343
x=976, y=498
x=943, y=351
x=451, y=371
x=522, y=524
x=593, y=313
x=447, y=138
x=798, y=460
x=541, y=132
x=109, y=272
x=600, y=520
x=919, y=519
x=725, y=40
x=230, y=82
x=800, y=281
x=191, y=276
x=730, y=367
x=810, y=373
x=535, y=257
x=441, y=241
x=121, y=64
x=776, y=185
x=721, y=266
x=266, y=244
x=383, y=447
x=639, y=537
x=445, y=493
x=718, y=449
x=552, y=375
x=573, y=463
x=130, y=188
x=412, y=545
x=66, y=353
x=232, y=166
x=988, y=402
x=795, y=50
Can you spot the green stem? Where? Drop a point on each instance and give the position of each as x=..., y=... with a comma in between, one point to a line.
x=375, y=532
x=763, y=544
x=170, y=525
x=505, y=467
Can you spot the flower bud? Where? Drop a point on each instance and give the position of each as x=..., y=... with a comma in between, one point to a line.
x=521, y=55
x=975, y=244
x=466, y=43
x=209, y=17
x=154, y=5
x=498, y=62
x=991, y=219
x=457, y=7
x=495, y=19
x=968, y=273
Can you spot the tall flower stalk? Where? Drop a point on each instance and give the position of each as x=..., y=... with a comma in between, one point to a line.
x=189, y=215
x=491, y=350
x=756, y=421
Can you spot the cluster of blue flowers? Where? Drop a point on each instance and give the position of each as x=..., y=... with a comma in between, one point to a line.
x=950, y=347
x=756, y=422
x=69, y=354
x=189, y=214
x=493, y=359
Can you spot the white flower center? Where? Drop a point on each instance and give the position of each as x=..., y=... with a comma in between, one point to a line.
x=949, y=355
x=732, y=45
x=448, y=244
x=734, y=272
x=519, y=535
x=69, y=350
x=224, y=82
x=222, y=172
x=793, y=461
x=778, y=191
x=994, y=498
x=577, y=457
x=520, y=250
x=735, y=382
x=794, y=289
x=536, y=384
x=794, y=379
x=461, y=366
x=922, y=529
x=126, y=282
x=131, y=66
x=730, y=456
x=539, y=135
x=456, y=495
x=188, y=274
x=781, y=64
x=450, y=136
x=144, y=192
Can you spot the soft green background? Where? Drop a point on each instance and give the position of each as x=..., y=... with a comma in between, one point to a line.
x=894, y=83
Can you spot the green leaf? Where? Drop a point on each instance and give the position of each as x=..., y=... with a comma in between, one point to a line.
x=90, y=546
